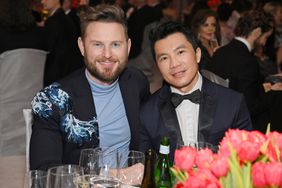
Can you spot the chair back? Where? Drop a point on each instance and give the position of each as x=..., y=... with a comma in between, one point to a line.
x=21, y=77
x=215, y=78
x=28, y=118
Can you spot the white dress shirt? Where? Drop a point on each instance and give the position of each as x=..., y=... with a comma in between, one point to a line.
x=188, y=115
x=245, y=42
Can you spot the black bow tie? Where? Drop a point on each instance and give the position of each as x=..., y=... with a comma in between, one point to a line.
x=194, y=97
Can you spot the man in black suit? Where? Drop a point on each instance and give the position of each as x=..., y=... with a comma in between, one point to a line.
x=210, y=109
x=236, y=63
x=64, y=56
x=96, y=106
x=144, y=14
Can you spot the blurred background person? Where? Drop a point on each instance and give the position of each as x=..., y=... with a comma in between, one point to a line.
x=64, y=56
x=224, y=12
x=18, y=27
x=145, y=13
x=205, y=25
x=236, y=62
x=274, y=47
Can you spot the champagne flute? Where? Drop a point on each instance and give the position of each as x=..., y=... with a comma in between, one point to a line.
x=63, y=176
x=132, y=168
x=35, y=179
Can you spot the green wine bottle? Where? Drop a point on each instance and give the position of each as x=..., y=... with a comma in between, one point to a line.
x=162, y=166
x=148, y=180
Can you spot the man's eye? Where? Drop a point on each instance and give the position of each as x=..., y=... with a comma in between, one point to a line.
x=97, y=44
x=181, y=51
x=116, y=45
x=161, y=59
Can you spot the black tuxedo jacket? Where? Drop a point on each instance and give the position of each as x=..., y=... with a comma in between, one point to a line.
x=220, y=109
x=49, y=145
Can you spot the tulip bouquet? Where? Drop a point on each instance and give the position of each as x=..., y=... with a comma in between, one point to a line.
x=244, y=160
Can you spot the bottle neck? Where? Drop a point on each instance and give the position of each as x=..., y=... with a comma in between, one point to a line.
x=164, y=149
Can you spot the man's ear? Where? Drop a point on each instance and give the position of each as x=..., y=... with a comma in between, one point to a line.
x=256, y=33
x=128, y=45
x=198, y=55
x=80, y=45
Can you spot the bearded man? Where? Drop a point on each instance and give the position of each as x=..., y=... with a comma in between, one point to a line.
x=96, y=106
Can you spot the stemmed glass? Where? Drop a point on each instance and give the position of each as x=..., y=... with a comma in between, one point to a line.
x=63, y=176
x=35, y=179
x=132, y=168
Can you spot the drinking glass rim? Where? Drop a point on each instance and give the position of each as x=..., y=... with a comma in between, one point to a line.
x=43, y=174
x=62, y=173
x=140, y=154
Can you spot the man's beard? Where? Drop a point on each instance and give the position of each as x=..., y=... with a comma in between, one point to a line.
x=107, y=75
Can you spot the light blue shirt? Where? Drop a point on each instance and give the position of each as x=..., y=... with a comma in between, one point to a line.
x=114, y=130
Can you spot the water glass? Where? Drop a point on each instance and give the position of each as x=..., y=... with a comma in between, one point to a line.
x=101, y=161
x=35, y=179
x=132, y=168
x=63, y=176
x=88, y=160
x=101, y=167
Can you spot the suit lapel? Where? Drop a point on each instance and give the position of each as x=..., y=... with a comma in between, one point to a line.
x=83, y=99
x=207, y=111
x=131, y=104
x=168, y=115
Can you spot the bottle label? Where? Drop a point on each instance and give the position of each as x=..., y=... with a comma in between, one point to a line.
x=164, y=149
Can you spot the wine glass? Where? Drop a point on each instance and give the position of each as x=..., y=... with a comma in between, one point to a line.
x=63, y=176
x=132, y=168
x=35, y=179
x=101, y=167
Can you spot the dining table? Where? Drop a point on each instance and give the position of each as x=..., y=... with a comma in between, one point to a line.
x=12, y=171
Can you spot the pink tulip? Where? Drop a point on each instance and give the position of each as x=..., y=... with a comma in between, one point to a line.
x=258, y=175
x=202, y=178
x=274, y=145
x=204, y=158
x=219, y=166
x=273, y=173
x=184, y=158
x=235, y=137
x=257, y=136
x=248, y=151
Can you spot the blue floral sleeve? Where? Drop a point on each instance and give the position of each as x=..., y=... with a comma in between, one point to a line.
x=77, y=131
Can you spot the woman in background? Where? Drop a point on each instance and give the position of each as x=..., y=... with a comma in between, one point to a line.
x=205, y=25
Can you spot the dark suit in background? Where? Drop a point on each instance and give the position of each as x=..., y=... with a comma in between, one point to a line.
x=50, y=144
x=237, y=64
x=220, y=109
x=64, y=56
x=137, y=22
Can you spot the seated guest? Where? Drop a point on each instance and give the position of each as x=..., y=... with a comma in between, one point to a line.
x=236, y=62
x=96, y=106
x=188, y=107
x=205, y=25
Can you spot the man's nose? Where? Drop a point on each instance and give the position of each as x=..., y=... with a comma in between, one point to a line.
x=107, y=52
